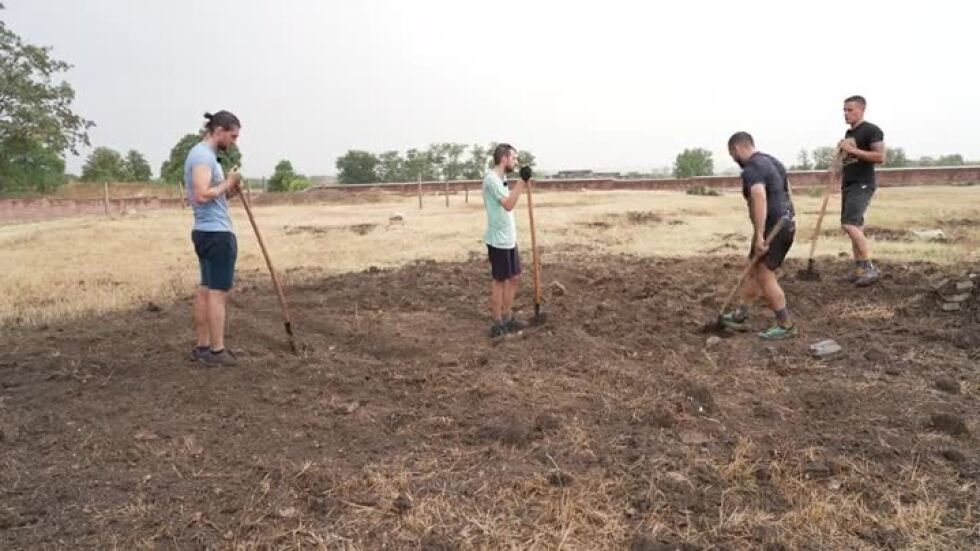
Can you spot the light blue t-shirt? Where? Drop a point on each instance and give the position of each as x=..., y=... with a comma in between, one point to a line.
x=501, y=230
x=213, y=215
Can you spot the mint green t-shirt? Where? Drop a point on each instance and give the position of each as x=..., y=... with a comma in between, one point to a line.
x=501, y=231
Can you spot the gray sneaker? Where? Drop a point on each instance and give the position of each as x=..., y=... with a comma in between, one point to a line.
x=497, y=331
x=515, y=326
x=225, y=357
x=870, y=277
x=198, y=354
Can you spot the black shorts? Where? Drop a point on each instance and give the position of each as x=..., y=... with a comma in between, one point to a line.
x=778, y=248
x=504, y=263
x=216, y=254
x=855, y=199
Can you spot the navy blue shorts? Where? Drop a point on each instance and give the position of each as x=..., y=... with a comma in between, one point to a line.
x=216, y=253
x=504, y=263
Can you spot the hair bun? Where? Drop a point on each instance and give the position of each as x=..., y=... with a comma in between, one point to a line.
x=208, y=116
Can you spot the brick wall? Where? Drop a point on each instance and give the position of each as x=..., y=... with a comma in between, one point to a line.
x=44, y=208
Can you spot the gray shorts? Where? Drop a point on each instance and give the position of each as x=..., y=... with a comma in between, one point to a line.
x=855, y=199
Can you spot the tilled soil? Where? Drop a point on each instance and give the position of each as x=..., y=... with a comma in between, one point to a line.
x=401, y=426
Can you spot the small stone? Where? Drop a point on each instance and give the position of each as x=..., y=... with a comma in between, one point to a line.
x=948, y=384
x=940, y=284
x=817, y=469
x=965, y=286
x=825, y=348
x=930, y=235
x=712, y=341
x=557, y=289
x=287, y=512
x=950, y=307
x=962, y=297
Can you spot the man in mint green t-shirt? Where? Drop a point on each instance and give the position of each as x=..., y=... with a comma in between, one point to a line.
x=501, y=240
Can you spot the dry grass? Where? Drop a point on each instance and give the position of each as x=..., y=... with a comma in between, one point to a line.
x=71, y=267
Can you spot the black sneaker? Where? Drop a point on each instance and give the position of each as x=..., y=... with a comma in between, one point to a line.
x=197, y=353
x=497, y=331
x=514, y=326
x=215, y=359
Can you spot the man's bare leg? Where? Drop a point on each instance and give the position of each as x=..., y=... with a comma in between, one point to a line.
x=508, y=304
x=859, y=243
x=201, y=318
x=498, y=289
x=216, y=318
x=773, y=293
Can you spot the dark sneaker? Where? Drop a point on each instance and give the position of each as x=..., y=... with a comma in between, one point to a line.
x=778, y=332
x=197, y=353
x=514, y=326
x=497, y=331
x=225, y=357
x=869, y=278
x=730, y=321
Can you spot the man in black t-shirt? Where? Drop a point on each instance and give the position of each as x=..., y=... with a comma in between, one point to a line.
x=766, y=190
x=864, y=145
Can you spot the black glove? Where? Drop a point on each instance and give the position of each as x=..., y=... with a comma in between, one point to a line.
x=525, y=173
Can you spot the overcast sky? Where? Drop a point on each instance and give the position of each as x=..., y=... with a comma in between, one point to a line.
x=605, y=85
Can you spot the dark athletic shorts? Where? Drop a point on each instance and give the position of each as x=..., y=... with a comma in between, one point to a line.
x=216, y=253
x=855, y=199
x=778, y=248
x=504, y=263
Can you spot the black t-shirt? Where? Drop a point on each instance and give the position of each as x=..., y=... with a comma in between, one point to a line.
x=857, y=171
x=767, y=170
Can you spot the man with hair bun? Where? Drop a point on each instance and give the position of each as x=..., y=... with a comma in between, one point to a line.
x=208, y=190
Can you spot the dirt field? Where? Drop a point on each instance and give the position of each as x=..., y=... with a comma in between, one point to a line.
x=617, y=425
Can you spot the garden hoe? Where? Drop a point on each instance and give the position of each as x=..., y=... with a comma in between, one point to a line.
x=811, y=273
x=538, y=318
x=287, y=323
x=718, y=325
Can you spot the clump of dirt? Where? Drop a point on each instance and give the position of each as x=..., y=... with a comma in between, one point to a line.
x=951, y=424
x=362, y=229
x=642, y=218
x=359, y=229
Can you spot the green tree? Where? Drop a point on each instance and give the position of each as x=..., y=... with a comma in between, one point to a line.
x=693, y=162
x=822, y=157
x=137, y=166
x=803, y=161
x=36, y=117
x=299, y=184
x=925, y=161
x=172, y=169
x=357, y=167
x=418, y=163
x=105, y=165
x=526, y=158
x=454, y=165
x=229, y=158
x=950, y=160
x=476, y=166
x=27, y=166
x=895, y=158
x=282, y=176
x=391, y=167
